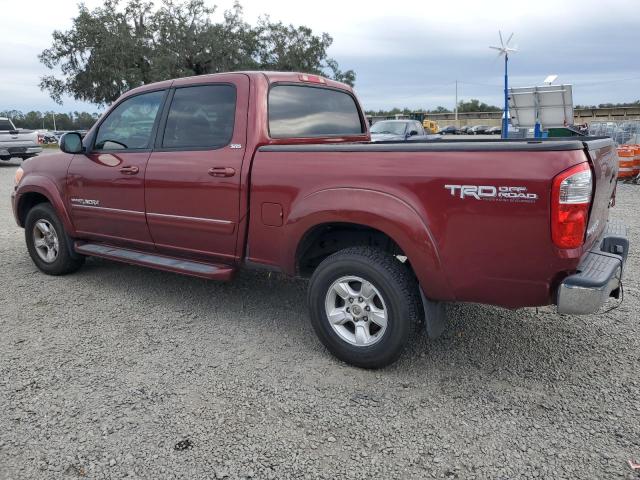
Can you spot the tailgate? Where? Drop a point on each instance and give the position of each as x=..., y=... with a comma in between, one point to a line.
x=604, y=161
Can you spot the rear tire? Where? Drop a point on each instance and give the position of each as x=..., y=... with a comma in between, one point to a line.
x=48, y=244
x=364, y=306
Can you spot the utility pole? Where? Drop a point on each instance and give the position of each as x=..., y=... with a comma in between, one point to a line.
x=456, y=107
x=54, y=121
x=505, y=117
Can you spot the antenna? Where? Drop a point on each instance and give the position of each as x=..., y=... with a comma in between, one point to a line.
x=505, y=49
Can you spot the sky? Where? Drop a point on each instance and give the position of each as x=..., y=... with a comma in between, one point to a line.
x=405, y=54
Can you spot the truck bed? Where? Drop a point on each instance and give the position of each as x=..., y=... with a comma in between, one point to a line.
x=490, y=250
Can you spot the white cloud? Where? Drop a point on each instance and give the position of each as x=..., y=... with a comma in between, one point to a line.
x=405, y=53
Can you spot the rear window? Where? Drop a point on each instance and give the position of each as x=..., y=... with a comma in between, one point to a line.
x=5, y=125
x=301, y=111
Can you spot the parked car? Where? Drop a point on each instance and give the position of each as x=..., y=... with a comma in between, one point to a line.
x=17, y=142
x=46, y=137
x=494, y=130
x=464, y=130
x=397, y=130
x=478, y=130
x=449, y=130
x=207, y=175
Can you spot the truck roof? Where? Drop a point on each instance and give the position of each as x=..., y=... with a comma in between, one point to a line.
x=270, y=76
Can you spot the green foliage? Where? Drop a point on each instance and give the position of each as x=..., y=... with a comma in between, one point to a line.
x=475, y=105
x=390, y=113
x=116, y=47
x=611, y=105
x=44, y=120
x=440, y=110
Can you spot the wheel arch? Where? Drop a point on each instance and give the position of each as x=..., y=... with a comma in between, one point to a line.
x=40, y=190
x=381, y=216
x=324, y=239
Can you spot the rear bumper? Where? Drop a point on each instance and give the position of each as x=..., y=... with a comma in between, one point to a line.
x=599, y=274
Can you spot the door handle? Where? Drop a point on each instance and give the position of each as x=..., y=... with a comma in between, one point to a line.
x=131, y=170
x=222, y=172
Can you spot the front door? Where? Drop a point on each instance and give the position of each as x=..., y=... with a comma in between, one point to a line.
x=106, y=185
x=193, y=176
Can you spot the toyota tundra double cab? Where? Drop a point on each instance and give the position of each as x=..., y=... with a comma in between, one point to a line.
x=207, y=175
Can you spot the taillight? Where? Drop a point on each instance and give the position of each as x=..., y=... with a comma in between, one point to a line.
x=570, y=202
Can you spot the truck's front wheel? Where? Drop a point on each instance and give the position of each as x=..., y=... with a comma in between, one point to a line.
x=364, y=306
x=48, y=244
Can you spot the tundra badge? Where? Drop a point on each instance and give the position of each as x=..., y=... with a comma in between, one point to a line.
x=85, y=201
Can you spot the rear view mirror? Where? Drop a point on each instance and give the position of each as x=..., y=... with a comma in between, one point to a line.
x=71, y=142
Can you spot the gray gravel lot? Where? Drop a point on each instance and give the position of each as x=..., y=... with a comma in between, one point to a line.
x=104, y=372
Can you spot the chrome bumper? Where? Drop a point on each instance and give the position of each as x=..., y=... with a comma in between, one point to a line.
x=599, y=274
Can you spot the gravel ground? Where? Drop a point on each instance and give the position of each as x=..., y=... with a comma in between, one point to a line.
x=122, y=371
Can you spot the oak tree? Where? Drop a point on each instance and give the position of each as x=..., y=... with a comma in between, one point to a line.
x=119, y=46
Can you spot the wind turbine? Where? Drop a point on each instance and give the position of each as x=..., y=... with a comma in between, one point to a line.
x=505, y=49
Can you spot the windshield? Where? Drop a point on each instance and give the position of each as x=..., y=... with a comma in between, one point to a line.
x=395, y=128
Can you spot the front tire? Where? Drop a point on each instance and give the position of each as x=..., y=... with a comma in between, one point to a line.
x=48, y=244
x=364, y=306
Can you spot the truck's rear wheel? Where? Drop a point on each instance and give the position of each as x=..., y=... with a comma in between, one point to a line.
x=49, y=246
x=364, y=306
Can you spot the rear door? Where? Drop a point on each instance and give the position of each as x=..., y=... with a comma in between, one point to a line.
x=192, y=182
x=106, y=185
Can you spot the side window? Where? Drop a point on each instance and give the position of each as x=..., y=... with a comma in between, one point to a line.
x=130, y=124
x=5, y=125
x=301, y=111
x=201, y=117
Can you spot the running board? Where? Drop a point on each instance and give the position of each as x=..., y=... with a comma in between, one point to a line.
x=160, y=262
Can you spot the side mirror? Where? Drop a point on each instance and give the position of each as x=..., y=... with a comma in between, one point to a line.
x=413, y=133
x=71, y=143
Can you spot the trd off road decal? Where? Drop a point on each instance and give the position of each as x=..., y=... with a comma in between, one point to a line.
x=492, y=193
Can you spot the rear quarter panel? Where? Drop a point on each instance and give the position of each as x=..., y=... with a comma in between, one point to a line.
x=490, y=251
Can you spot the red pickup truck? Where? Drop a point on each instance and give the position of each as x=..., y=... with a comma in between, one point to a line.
x=209, y=174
